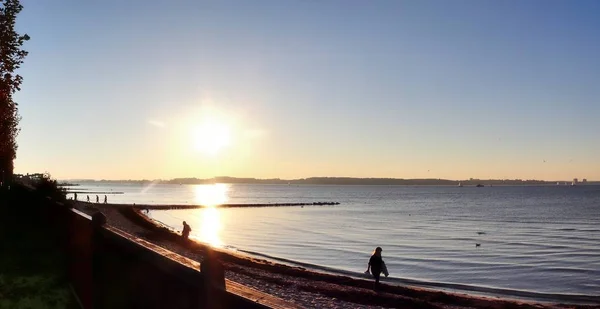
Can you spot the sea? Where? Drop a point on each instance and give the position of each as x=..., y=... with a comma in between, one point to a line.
x=539, y=242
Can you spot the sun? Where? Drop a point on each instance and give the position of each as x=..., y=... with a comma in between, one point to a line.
x=211, y=137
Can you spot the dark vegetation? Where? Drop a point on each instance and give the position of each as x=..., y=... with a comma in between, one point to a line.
x=33, y=271
x=11, y=58
x=50, y=188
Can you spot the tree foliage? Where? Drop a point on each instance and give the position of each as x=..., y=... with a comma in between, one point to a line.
x=11, y=58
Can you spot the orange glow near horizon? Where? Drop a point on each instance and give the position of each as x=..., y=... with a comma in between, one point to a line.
x=202, y=140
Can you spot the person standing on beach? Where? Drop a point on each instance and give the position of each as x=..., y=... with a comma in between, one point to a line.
x=97, y=199
x=185, y=233
x=88, y=198
x=376, y=265
x=75, y=195
x=105, y=199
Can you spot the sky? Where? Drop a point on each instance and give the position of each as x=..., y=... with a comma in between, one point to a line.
x=291, y=89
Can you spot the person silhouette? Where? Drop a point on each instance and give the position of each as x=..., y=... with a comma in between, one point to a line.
x=75, y=196
x=105, y=199
x=185, y=233
x=97, y=199
x=376, y=265
x=88, y=198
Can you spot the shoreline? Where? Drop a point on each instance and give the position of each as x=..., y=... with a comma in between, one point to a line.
x=292, y=283
x=452, y=288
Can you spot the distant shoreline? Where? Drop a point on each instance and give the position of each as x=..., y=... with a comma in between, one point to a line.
x=344, y=181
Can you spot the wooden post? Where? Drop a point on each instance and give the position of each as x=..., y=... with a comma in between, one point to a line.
x=80, y=255
x=98, y=220
x=213, y=275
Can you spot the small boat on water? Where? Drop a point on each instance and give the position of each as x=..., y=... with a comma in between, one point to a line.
x=460, y=184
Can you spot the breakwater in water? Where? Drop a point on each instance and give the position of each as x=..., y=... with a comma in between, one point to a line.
x=168, y=207
x=94, y=192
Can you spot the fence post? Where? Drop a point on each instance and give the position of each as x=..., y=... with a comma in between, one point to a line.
x=213, y=276
x=98, y=221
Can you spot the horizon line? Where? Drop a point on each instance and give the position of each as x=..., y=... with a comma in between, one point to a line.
x=326, y=177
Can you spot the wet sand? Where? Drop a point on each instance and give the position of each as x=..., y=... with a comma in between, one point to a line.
x=303, y=287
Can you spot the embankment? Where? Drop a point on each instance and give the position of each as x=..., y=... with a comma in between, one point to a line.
x=110, y=268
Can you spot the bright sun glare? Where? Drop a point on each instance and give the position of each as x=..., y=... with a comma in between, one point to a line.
x=210, y=226
x=209, y=218
x=211, y=195
x=211, y=137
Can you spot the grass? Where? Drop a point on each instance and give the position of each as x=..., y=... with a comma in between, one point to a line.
x=32, y=268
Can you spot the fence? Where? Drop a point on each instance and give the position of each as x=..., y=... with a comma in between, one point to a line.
x=109, y=268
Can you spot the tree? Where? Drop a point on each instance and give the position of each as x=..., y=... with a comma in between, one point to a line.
x=11, y=58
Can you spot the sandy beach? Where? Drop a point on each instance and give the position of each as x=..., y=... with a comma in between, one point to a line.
x=306, y=288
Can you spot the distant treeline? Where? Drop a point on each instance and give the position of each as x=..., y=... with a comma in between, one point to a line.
x=344, y=181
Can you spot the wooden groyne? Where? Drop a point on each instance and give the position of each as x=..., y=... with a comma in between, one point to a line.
x=95, y=192
x=168, y=207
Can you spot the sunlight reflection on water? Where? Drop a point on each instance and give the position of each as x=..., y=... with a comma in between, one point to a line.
x=209, y=218
x=211, y=195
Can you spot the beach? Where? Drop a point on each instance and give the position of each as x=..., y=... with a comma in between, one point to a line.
x=306, y=288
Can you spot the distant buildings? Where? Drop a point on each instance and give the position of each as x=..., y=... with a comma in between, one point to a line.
x=37, y=176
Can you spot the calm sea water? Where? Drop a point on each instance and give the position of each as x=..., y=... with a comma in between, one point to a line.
x=533, y=240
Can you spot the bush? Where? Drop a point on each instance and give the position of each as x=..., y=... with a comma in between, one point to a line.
x=48, y=187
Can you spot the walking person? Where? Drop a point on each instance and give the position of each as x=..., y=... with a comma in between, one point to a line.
x=377, y=266
x=88, y=198
x=97, y=199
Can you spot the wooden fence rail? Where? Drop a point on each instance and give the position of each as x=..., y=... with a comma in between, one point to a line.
x=109, y=268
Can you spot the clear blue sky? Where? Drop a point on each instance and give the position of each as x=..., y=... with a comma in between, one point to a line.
x=444, y=89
